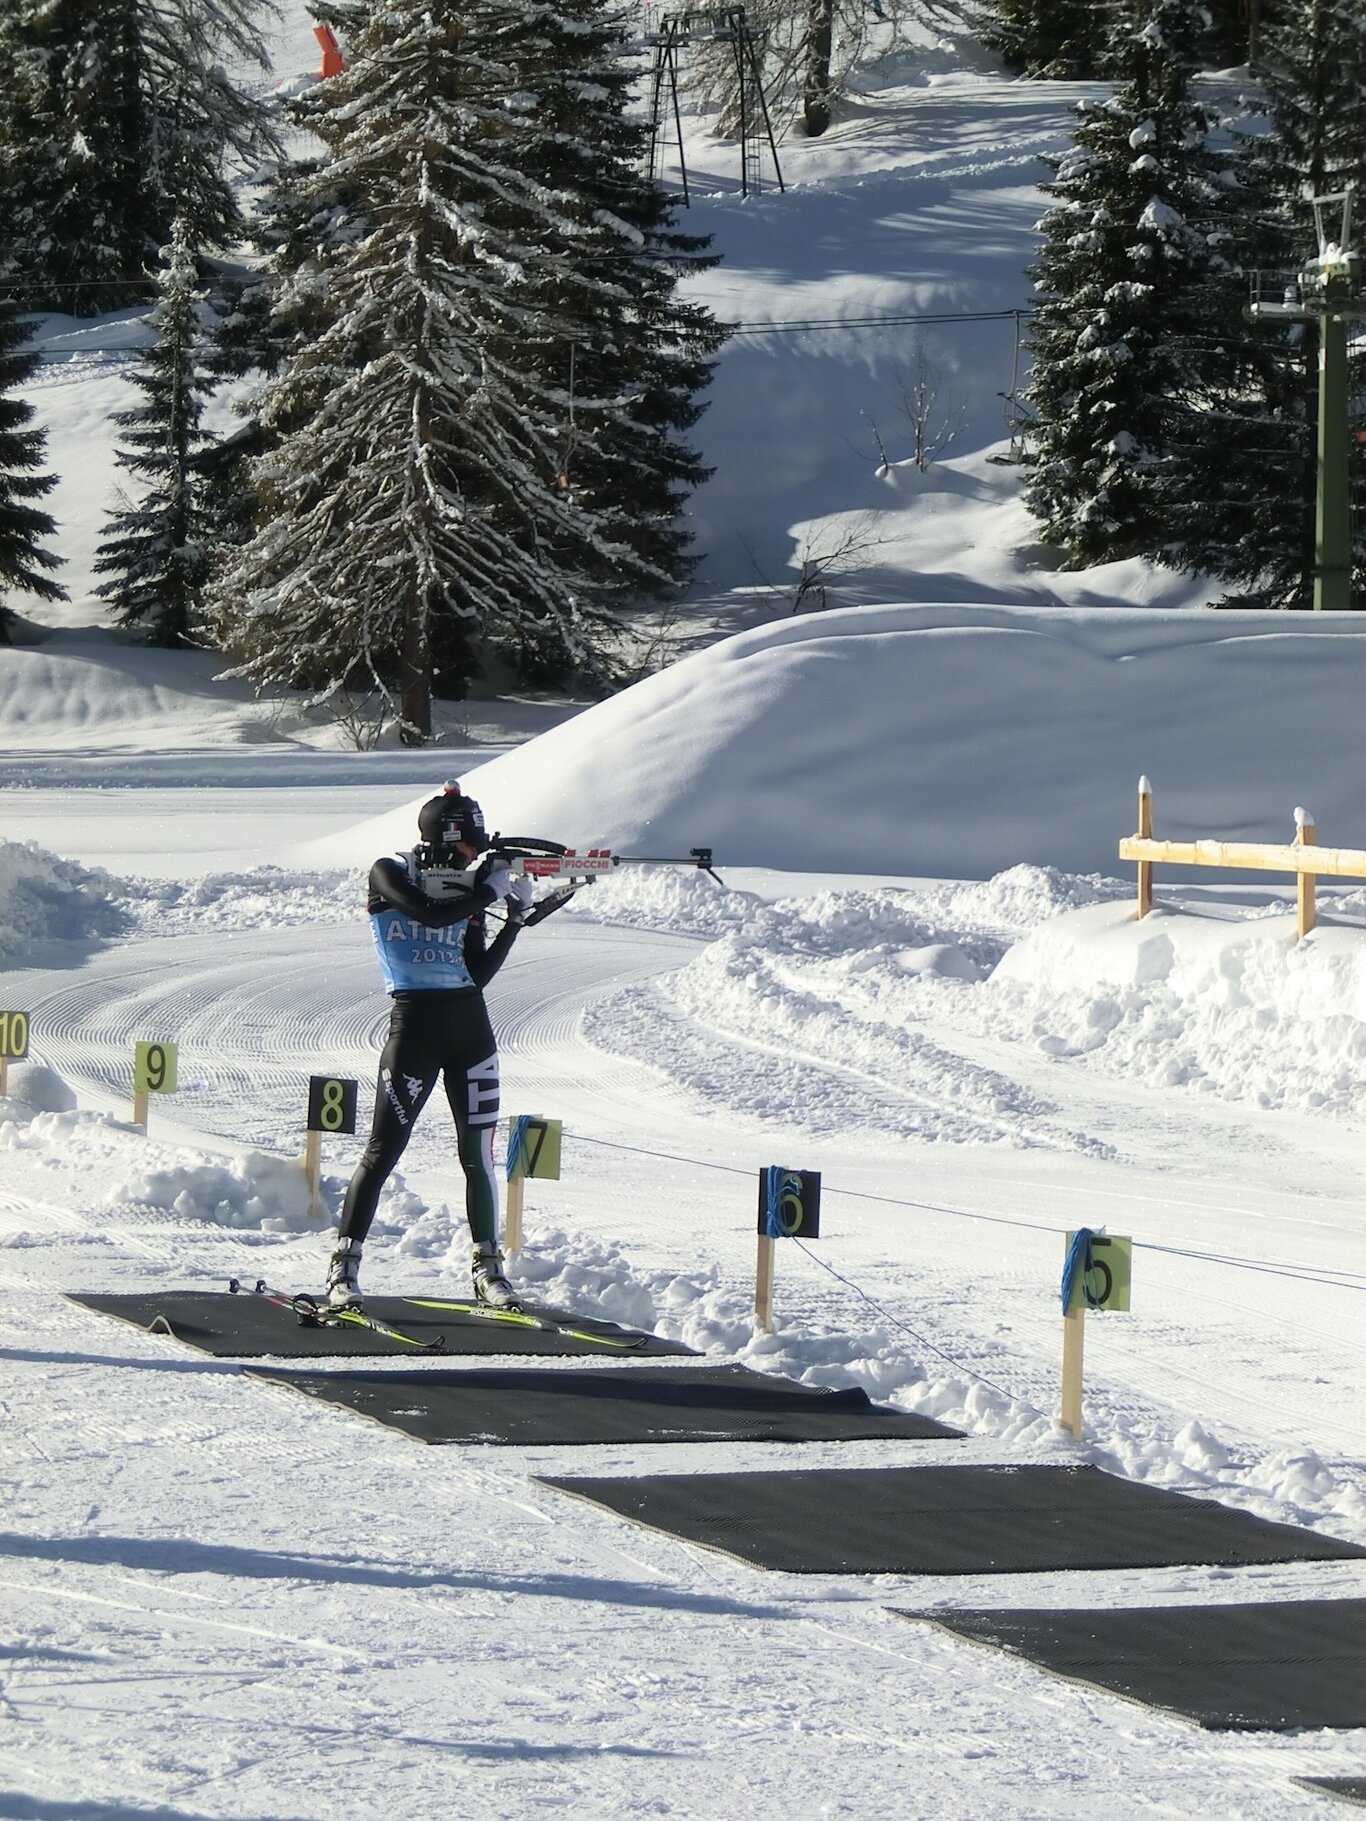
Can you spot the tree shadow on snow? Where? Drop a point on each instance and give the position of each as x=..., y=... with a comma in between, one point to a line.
x=182, y=1555
x=15, y=1807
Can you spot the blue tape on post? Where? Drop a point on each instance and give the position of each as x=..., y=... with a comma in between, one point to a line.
x=516, y=1139
x=1080, y=1264
x=773, y=1190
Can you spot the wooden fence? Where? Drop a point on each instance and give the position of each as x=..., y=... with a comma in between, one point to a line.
x=1303, y=857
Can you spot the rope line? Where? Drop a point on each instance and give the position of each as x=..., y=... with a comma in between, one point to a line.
x=1332, y=1276
x=914, y=1333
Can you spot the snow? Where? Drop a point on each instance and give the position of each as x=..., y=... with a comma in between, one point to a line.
x=951, y=762
x=921, y=976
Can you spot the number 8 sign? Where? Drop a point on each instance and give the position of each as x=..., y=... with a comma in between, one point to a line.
x=331, y=1104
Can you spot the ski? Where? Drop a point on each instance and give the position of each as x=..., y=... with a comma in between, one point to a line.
x=520, y=1319
x=314, y=1314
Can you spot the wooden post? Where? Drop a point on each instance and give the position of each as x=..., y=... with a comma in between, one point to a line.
x=1306, y=910
x=1073, y=1344
x=512, y=1226
x=1145, y=833
x=140, y=1102
x=763, y=1285
x=313, y=1170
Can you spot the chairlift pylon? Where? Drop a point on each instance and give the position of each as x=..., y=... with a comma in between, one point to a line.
x=674, y=32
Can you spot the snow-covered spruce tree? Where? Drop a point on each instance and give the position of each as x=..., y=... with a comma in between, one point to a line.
x=1046, y=38
x=1139, y=325
x=154, y=552
x=114, y=116
x=205, y=125
x=1313, y=68
x=622, y=356
x=411, y=496
x=76, y=214
x=296, y=216
x=24, y=561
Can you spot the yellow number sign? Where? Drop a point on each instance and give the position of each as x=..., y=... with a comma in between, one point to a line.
x=13, y=1036
x=534, y=1148
x=154, y=1068
x=1106, y=1284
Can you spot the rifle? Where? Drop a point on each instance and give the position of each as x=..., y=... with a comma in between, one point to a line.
x=533, y=857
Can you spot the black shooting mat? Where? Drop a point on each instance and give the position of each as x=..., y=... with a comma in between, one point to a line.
x=508, y=1404
x=1346, y=1789
x=1270, y=1667
x=948, y=1520
x=248, y=1327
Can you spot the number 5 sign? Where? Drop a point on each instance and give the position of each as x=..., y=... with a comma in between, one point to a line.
x=154, y=1072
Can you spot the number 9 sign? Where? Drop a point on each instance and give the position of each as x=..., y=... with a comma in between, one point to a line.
x=154, y=1068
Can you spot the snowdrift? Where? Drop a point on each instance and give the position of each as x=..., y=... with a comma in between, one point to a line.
x=45, y=899
x=919, y=740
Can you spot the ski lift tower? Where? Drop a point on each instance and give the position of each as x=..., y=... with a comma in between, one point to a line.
x=1330, y=291
x=672, y=33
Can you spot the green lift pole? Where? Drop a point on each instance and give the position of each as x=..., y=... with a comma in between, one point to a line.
x=1333, y=505
x=1329, y=291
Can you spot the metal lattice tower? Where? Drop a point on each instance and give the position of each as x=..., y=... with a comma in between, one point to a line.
x=673, y=33
x=1330, y=291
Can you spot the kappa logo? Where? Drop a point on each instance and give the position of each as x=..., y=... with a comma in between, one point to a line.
x=414, y=1085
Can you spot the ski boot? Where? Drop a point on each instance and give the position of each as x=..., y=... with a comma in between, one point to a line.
x=491, y=1286
x=342, y=1290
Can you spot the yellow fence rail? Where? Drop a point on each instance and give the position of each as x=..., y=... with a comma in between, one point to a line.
x=1302, y=857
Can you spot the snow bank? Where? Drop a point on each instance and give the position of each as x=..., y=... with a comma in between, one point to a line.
x=949, y=741
x=858, y=1002
x=1226, y=1003
x=44, y=898
x=47, y=899
x=836, y=990
x=267, y=897
x=82, y=690
x=34, y=1088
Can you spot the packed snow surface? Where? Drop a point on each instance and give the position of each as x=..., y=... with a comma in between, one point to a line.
x=974, y=1067
x=920, y=977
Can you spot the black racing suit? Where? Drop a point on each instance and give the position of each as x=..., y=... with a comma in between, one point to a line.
x=435, y=1030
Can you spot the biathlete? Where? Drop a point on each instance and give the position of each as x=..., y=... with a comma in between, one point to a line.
x=427, y=919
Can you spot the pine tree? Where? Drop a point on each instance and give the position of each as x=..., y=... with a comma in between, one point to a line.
x=628, y=378
x=24, y=563
x=116, y=115
x=411, y=504
x=154, y=552
x=1250, y=517
x=1139, y=325
x=203, y=122
x=75, y=211
x=1057, y=39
